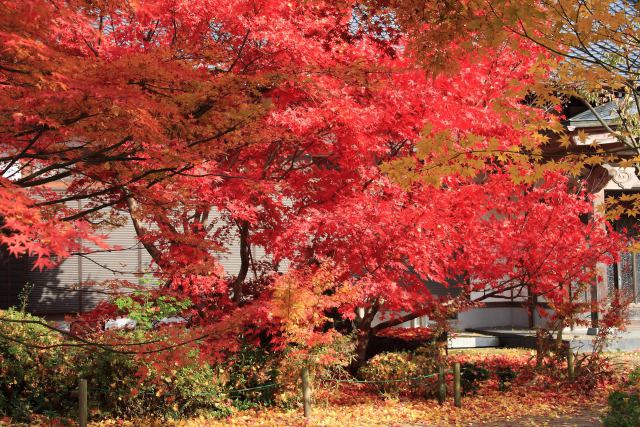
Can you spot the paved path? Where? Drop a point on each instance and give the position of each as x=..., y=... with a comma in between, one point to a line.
x=586, y=418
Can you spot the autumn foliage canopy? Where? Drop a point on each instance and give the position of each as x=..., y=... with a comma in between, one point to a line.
x=309, y=129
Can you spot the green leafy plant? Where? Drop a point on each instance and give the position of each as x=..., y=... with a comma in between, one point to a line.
x=624, y=403
x=146, y=309
x=505, y=375
x=395, y=373
x=31, y=380
x=390, y=366
x=471, y=375
x=44, y=381
x=117, y=389
x=251, y=372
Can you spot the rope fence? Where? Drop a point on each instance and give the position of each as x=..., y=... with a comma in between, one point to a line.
x=234, y=391
x=421, y=377
x=306, y=387
x=83, y=390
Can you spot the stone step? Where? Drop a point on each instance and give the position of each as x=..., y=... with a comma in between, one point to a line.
x=634, y=312
x=470, y=340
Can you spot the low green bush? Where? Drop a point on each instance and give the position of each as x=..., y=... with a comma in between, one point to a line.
x=45, y=380
x=505, y=375
x=117, y=390
x=391, y=365
x=31, y=380
x=624, y=403
x=471, y=375
x=251, y=373
x=409, y=366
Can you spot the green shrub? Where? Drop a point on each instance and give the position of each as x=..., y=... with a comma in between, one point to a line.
x=31, y=380
x=471, y=375
x=400, y=366
x=505, y=375
x=251, y=372
x=326, y=363
x=45, y=381
x=624, y=410
x=117, y=390
x=624, y=404
x=146, y=308
x=187, y=391
x=391, y=365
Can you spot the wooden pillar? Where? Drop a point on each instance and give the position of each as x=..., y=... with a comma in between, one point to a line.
x=594, y=306
x=570, y=368
x=442, y=387
x=306, y=392
x=82, y=403
x=457, y=392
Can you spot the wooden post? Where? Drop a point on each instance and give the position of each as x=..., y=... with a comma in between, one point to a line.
x=306, y=392
x=82, y=403
x=570, y=364
x=442, y=387
x=457, y=393
x=594, y=308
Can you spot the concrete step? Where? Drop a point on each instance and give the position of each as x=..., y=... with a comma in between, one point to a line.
x=472, y=340
x=578, y=339
x=634, y=313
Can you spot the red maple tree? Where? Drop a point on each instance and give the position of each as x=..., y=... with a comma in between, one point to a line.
x=280, y=125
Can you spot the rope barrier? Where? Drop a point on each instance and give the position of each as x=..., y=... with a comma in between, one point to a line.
x=240, y=390
x=421, y=377
x=305, y=388
x=273, y=385
x=262, y=387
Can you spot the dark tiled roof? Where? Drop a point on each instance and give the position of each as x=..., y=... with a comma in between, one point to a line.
x=588, y=119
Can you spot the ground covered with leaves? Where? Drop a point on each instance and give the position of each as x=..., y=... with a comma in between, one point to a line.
x=492, y=406
x=532, y=399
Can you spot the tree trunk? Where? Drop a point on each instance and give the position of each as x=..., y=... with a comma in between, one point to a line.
x=141, y=232
x=533, y=305
x=442, y=348
x=245, y=259
x=362, y=344
x=364, y=333
x=558, y=344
